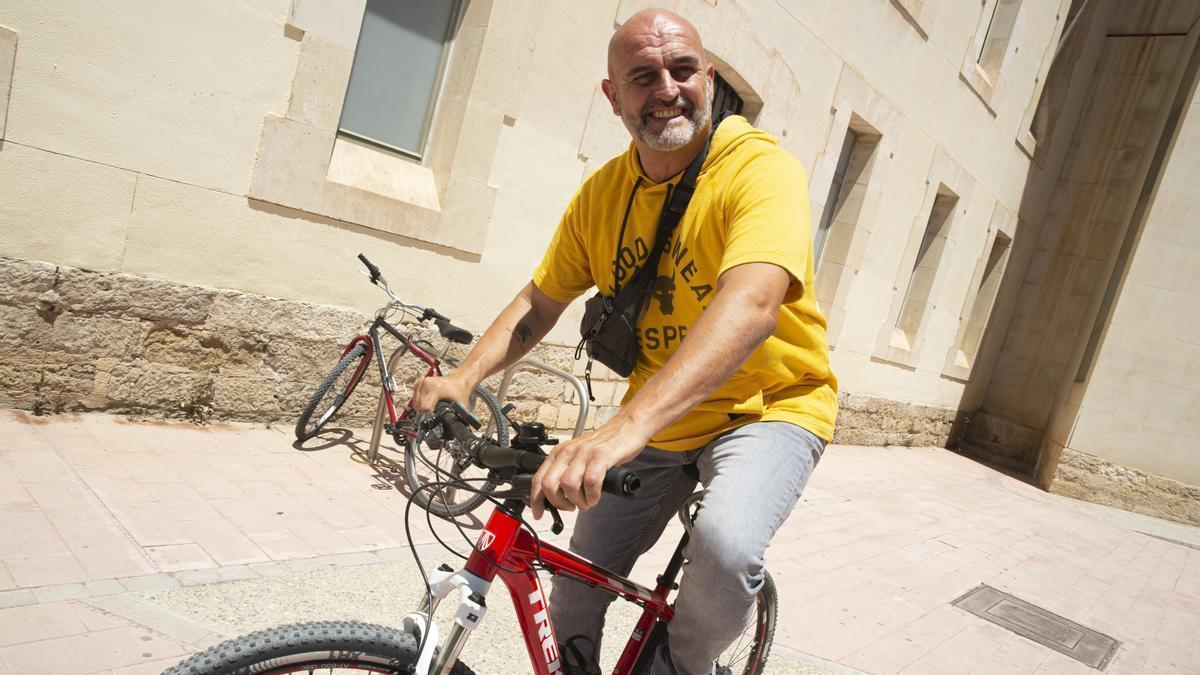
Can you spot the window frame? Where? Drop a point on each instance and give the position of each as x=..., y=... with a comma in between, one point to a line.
x=431, y=107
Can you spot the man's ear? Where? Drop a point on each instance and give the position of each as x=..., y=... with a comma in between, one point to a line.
x=610, y=91
x=712, y=73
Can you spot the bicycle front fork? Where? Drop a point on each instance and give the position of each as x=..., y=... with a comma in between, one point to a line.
x=472, y=606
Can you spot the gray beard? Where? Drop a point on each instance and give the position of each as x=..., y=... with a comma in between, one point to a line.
x=675, y=136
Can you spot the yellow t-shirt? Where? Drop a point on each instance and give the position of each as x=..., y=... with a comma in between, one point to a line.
x=750, y=205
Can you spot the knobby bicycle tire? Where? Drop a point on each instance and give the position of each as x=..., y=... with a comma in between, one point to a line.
x=450, y=502
x=300, y=648
x=303, y=430
x=748, y=653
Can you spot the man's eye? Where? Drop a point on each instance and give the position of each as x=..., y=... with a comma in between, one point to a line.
x=682, y=74
x=644, y=79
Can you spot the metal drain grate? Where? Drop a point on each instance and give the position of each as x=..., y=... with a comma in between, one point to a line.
x=1063, y=635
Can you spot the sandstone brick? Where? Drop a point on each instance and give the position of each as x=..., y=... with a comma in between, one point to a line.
x=301, y=358
x=18, y=385
x=86, y=292
x=567, y=415
x=248, y=313
x=95, y=336
x=22, y=281
x=547, y=414
x=140, y=386
x=246, y=397
x=23, y=333
x=65, y=387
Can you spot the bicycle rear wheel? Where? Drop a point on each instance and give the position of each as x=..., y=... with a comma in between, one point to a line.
x=333, y=392
x=436, y=460
x=330, y=646
x=747, y=655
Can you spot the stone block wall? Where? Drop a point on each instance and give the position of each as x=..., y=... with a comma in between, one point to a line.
x=1090, y=478
x=75, y=341
x=867, y=420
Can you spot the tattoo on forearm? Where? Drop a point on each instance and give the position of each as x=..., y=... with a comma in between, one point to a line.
x=523, y=333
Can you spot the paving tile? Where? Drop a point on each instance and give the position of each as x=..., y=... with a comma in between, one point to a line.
x=38, y=622
x=90, y=652
x=7, y=582
x=179, y=557
x=148, y=668
x=16, y=598
x=149, y=583
x=46, y=570
x=60, y=592
x=27, y=533
x=149, y=524
x=224, y=542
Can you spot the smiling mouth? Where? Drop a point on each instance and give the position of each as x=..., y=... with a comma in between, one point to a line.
x=665, y=113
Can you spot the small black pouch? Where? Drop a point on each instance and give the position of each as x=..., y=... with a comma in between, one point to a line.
x=608, y=328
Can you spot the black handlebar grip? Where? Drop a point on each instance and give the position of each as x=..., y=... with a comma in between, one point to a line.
x=621, y=481
x=370, y=268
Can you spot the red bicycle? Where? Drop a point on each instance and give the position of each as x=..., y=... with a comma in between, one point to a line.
x=427, y=457
x=507, y=548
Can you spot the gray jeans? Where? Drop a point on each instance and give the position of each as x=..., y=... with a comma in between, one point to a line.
x=752, y=477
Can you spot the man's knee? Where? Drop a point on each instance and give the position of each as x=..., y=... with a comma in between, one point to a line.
x=729, y=553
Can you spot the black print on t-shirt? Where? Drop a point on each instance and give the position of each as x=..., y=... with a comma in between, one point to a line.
x=627, y=259
x=685, y=267
x=655, y=337
x=664, y=293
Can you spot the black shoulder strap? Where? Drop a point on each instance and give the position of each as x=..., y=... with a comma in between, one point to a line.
x=673, y=209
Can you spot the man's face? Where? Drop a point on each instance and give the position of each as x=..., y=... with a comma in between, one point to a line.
x=661, y=86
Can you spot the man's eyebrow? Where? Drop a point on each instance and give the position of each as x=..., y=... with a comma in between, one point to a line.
x=685, y=60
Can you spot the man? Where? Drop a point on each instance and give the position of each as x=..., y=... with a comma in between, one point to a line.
x=747, y=397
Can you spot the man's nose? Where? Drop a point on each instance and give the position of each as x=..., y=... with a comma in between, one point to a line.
x=668, y=89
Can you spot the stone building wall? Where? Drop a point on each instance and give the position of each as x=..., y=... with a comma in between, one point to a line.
x=75, y=341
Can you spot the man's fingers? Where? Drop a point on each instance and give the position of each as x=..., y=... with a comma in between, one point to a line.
x=593, y=481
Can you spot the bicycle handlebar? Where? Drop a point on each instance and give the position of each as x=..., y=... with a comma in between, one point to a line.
x=617, y=480
x=370, y=268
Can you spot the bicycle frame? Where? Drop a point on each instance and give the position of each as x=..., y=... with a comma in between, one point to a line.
x=375, y=349
x=508, y=550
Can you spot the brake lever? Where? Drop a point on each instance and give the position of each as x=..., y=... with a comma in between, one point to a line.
x=557, y=526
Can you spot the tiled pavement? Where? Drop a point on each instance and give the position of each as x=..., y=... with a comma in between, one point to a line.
x=100, y=516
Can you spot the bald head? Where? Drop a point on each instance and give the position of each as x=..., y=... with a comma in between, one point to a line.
x=647, y=29
x=659, y=81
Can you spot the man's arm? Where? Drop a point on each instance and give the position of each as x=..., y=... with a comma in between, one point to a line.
x=522, y=324
x=741, y=316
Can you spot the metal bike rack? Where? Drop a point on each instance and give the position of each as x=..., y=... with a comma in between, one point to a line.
x=531, y=364
x=381, y=414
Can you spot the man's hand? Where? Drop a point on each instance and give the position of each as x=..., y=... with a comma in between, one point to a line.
x=430, y=390
x=571, y=476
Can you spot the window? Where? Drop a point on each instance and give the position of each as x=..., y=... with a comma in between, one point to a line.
x=398, y=65
x=917, y=296
x=846, y=194
x=835, y=196
x=972, y=324
x=996, y=39
x=724, y=97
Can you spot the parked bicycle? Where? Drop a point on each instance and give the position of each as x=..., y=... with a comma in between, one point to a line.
x=508, y=548
x=427, y=457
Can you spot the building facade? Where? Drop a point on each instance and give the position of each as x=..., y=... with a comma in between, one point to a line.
x=1000, y=205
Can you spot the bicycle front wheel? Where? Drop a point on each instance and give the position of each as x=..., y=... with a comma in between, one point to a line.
x=455, y=485
x=328, y=646
x=333, y=392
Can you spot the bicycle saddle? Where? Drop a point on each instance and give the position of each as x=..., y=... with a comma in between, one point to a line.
x=453, y=333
